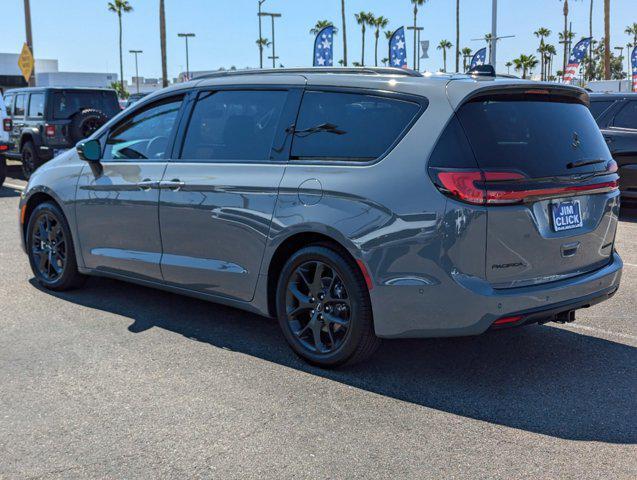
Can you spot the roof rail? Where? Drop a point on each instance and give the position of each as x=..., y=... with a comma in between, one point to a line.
x=313, y=70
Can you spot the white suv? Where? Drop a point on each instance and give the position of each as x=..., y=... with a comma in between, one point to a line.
x=4, y=140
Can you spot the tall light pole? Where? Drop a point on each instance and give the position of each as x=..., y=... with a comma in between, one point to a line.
x=494, y=32
x=186, y=36
x=27, y=28
x=261, y=2
x=272, y=17
x=136, y=52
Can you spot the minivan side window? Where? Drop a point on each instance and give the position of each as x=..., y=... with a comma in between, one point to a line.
x=8, y=102
x=234, y=125
x=627, y=116
x=349, y=126
x=36, y=105
x=18, y=110
x=144, y=135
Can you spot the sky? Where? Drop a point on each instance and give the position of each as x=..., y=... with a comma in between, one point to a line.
x=83, y=35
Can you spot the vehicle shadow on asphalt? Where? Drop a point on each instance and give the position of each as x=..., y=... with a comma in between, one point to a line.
x=8, y=192
x=540, y=379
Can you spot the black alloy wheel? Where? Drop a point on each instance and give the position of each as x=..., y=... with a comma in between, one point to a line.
x=50, y=249
x=318, y=307
x=324, y=309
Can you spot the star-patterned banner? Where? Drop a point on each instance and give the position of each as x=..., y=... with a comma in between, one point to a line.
x=397, y=49
x=479, y=58
x=577, y=55
x=633, y=61
x=324, y=48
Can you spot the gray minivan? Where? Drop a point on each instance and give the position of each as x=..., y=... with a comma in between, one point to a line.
x=351, y=204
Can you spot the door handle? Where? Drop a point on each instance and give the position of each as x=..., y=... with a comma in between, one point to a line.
x=173, y=185
x=146, y=184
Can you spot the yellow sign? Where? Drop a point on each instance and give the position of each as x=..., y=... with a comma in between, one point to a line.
x=25, y=62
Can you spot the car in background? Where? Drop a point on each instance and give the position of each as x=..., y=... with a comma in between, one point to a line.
x=133, y=99
x=616, y=115
x=4, y=140
x=351, y=204
x=43, y=122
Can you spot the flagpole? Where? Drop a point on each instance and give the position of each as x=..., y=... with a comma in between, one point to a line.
x=494, y=31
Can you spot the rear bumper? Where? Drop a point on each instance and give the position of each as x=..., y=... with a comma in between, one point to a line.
x=461, y=305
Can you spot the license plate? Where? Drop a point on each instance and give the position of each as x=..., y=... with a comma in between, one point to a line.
x=566, y=215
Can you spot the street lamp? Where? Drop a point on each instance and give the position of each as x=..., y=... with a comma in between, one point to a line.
x=272, y=17
x=186, y=36
x=261, y=2
x=136, y=52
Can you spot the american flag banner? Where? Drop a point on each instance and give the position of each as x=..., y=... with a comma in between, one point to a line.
x=633, y=64
x=398, y=49
x=324, y=48
x=577, y=55
x=479, y=58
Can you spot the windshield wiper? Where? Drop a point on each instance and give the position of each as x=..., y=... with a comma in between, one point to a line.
x=323, y=127
x=583, y=163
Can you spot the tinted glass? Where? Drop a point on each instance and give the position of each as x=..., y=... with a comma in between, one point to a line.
x=8, y=102
x=349, y=127
x=68, y=102
x=36, y=105
x=536, y=138
x=627, y=116
x=233, y=125
x=18, y=109
x=452, y=149
x=599, y=106
x=144, y=135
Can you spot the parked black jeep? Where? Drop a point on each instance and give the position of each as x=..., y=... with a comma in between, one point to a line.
x=42, y=122
x=616, y=115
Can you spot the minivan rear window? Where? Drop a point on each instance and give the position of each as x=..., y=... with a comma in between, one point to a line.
x=537, y=138
x=349, y=126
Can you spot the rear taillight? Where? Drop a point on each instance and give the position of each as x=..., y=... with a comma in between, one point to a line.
x=49, y=130
x=7, y=124
x=4, y=148
x=508, y=188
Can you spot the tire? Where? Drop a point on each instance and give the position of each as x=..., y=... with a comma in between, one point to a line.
x=30, y=159
x=3, y=170
x=345, y=332
x=62, y=275
x=85, y=122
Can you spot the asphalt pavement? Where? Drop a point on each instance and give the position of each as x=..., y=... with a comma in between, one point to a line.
x=121, y=381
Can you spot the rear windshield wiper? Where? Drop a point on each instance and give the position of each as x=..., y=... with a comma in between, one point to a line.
x=583, y=163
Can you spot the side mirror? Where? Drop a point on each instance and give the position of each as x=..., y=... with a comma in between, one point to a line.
x=89, y=150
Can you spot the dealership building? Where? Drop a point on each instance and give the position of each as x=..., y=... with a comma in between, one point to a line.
x=47, y=74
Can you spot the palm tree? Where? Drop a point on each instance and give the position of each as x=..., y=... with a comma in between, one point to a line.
x=162, y=43
x=541, y=33
x=380, y=22
x=457, y=35
x=488, y=38
x=344, y=33
x=363, y=19
x=263, y=42
x=119, y=7
x=632, y=30
x=444, y=45
x=416, y=3
x=565, y=33
x=320, y=25
x=508, y=65
x=551, y=51
x=466, y=53
x=526, y=63
x=590, y=32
